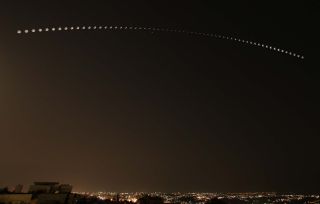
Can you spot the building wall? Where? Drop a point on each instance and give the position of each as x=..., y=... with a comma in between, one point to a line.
x=15, y=198
x=52, y=198
x=39, y=189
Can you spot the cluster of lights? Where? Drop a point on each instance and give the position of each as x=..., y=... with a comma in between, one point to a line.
x=201, y=198
x=151, y=29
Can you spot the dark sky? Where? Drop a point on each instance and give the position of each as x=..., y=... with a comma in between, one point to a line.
x=141, y=111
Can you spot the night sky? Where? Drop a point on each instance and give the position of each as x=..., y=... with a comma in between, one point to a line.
x=158, y=111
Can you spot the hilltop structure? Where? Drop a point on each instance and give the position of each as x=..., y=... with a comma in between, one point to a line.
x=39, y=193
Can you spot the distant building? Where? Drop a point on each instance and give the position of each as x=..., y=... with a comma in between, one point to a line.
x=65, y=188
x=50, y=187
x=51, y=193
x=18, y=188
x=44, y=187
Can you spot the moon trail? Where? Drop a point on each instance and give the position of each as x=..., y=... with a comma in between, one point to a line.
x=154, y=29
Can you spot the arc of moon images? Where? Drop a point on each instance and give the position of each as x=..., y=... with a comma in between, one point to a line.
x=154, y=29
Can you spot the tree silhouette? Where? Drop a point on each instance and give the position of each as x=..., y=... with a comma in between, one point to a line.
x=215, y=201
